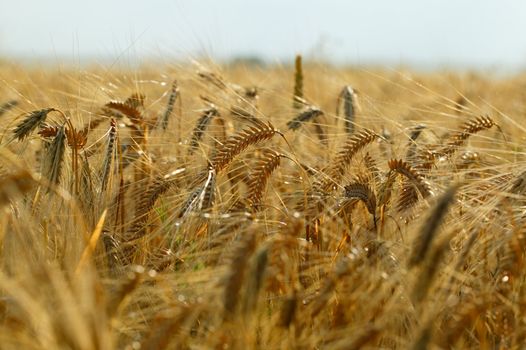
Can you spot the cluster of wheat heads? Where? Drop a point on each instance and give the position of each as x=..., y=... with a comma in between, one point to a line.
x=139, y=211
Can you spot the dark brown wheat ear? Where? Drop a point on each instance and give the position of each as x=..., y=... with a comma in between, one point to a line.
x=310, y=113
x=200, y=127
x=236, y=144
x=362, y=192
x=55, y=156
x=31, y=122
x=415, y=177
x=129, y=110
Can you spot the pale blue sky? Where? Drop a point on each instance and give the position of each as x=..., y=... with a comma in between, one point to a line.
x=424, y=32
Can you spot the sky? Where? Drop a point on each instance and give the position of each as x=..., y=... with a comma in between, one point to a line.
x=429, y=33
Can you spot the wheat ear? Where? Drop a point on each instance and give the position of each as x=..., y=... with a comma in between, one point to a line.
x=55, y=156
x=200, y=128
x=262, y=173
x=348, y=97
x=431, y=226
x=416, y=178
x=308, y=114
x=109, y=156
x=174, y=93
x=160, y=185
x=236, y=275
x=129, y=110
x=298, y=83
x=236, y=144
x=362, y=192
x=355, y=143
x=469, y=128
x=31, y=122
x=201, y=198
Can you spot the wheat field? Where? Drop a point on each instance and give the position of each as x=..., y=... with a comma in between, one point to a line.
x=199, y=206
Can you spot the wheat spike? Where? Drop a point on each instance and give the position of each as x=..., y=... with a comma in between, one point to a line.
x=348, y=96
x=86, y=181
x=160, y=185
x=207, y=196
x=202, y=198
x=174, y=93
x=427, y=233
x=200, y=128
x=417, y=179
x=256, y=279
x=239, y=142
x=298, y=83
x=109, y=155
x=55, y=156
x=258, y=181
x=135, y=100
x=411, y=154
x=308, y=114
x=31, y=122
x=236, y=275
x=212, y=78
x=364, y=193
x=469, y=128
x=355, y=143
x=128, y=109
